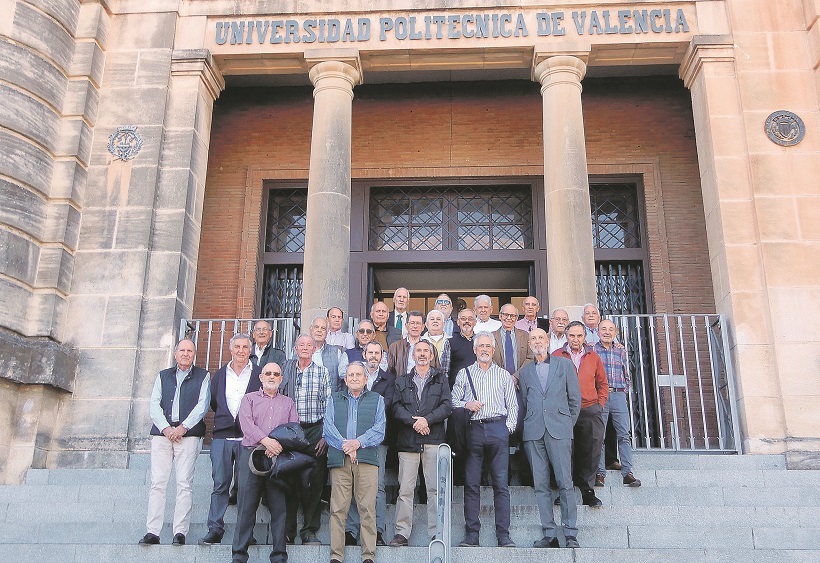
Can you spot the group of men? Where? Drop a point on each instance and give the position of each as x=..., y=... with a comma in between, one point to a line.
x=551, y=384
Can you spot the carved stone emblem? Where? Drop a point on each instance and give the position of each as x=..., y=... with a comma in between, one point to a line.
x=125, y=142
x=785, y=128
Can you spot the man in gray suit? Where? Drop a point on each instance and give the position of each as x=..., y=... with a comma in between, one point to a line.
x=551, y=400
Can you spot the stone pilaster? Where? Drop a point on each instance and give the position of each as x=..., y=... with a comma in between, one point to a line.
x=709, y=71
x=327, y=239
x=570, y=254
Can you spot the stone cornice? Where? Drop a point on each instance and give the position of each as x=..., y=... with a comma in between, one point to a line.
x=198, y=62
x=705, y=48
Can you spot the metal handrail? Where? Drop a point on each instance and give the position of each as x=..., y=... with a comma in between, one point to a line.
x=439, y=548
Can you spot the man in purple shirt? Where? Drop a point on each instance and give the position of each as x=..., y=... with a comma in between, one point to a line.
x=260, y=412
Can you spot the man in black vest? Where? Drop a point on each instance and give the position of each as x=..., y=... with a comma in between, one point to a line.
x=232, y=382
x=179, y=401
x=354, y=426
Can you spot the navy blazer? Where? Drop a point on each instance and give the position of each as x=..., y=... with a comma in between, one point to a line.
x=225, y=425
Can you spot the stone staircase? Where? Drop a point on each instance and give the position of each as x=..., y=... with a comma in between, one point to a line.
x=691, y=508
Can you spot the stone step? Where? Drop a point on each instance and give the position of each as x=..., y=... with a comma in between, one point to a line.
x=68, y=553
x=645, y=526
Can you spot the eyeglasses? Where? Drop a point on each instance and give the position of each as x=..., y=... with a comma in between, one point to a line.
x=443, y=301
x=273, y=373
x=262, y=330
x=507, y=315
x=365, y=331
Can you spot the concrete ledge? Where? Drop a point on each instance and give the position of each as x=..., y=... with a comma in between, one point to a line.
x=37, y=361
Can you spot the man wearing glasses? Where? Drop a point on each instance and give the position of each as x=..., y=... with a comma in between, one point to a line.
x=365, y=334
x=260, y=412
x=558, y=326
x=263, y=351
x=511, y=345
x=445, y=305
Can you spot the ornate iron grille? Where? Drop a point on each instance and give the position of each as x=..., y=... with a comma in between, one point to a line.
x=282, y=292
x=287, y=210
x=620, y=288
x=615, y=218
x=451, y=218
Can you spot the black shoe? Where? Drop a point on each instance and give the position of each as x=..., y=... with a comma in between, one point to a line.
x=469, y=541
x=547, y=542
x=253, y=541
x=310, y=539
x=149, y=539
x=289, y=540
x=506, y=542
x=379, y=539
x=572, y=541
x=590, y=499
x=232, y=500
x=350, y=539
x=211, y=538
x=179, y=539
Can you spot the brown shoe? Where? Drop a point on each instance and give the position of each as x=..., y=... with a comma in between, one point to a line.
x=399, y=541
x=631, y=481
x=599, y=480
x=614, y=466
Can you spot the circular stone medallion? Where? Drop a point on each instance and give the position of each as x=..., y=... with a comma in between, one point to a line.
x=785, y=128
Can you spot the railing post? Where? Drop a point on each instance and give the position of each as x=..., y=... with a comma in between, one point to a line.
x=730, y=382
x=439, y=549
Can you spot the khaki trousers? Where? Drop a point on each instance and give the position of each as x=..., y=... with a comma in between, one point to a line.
x=164, y=453
x=361, y=479
x=408, y=477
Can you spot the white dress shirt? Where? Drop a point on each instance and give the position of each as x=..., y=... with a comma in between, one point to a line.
x=235, y=386
x=490, y=325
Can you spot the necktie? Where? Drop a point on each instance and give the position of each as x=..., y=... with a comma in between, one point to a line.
x=398, y=321
x=509, y=353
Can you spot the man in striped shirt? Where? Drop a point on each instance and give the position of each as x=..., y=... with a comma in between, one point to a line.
x=495, y=412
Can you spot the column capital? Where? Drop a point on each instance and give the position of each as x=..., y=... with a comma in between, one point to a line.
x=542, y=53
x=198, y=62
x=559, y=69
x=343, y=64
x=703, y=49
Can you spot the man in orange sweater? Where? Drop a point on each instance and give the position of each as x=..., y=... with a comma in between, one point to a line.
x=588, y=433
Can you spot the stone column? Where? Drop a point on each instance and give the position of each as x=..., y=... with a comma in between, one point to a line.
x=570, y=254
x=327, y=239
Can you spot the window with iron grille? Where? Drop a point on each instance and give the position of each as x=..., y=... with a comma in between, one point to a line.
x=285, y=227
x=282, y=292
x=451, y=218
x=615, y=217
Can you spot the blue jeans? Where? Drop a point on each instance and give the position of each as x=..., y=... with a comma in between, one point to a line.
x=491, y=440
x=353, y=522
x=225, y=456
x=617, y=408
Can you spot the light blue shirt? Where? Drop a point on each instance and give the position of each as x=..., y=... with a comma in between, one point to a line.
x=371, y=438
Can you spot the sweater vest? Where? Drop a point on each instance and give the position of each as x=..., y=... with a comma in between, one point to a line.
x=188, y=397
x=368, y=401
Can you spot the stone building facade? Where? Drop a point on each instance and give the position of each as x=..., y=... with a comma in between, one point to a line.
x=140, y=142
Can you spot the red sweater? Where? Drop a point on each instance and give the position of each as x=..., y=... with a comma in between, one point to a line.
x=591, y=377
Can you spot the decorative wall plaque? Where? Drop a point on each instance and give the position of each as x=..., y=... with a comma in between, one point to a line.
x=785, y=128
x=125, y=142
